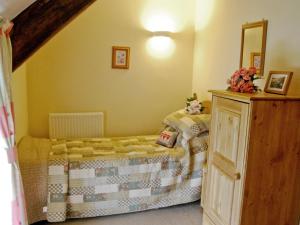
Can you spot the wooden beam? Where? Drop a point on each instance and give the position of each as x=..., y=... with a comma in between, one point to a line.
x=39, y=22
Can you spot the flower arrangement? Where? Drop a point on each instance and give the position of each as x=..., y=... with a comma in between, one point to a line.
x=242, y=80
x=193, y=106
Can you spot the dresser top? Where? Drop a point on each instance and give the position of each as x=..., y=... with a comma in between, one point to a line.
x=246, y=97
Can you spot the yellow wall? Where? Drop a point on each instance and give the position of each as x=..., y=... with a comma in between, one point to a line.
x=19, y=92
x=72, y=73
x=218, y=37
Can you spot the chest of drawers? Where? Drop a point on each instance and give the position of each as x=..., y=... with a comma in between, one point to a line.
x=253, y=168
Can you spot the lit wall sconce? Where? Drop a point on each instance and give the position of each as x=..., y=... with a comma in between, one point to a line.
x=161, y=45
x=161, y=27
x=160, y=22
x=162, y=34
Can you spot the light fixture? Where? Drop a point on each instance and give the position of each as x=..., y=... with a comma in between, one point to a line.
x=160, y=22
x=160, y=26
x=161, y=46
x=162, y=34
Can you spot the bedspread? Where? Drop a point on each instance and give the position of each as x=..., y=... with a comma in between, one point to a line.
x=33, y=158
x=97, y=177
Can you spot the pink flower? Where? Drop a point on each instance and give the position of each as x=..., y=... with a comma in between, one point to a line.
x=241, y=80
x=247, y=87
x=234, y=88
x=241, y=83
x=236, y=74
x=233, y=81
x=247, y=76
x=243, y=71
x=235, y=84
x=252, y=71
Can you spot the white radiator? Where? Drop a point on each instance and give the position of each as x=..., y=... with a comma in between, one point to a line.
x=76, y=125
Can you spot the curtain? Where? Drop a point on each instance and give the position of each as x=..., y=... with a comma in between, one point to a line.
x=7, y=131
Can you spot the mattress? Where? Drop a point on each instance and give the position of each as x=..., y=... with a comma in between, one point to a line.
x=106, y=176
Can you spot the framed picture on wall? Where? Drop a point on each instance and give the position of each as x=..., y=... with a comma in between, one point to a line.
x=278, y=82
x=255, y=61
x=120, y=57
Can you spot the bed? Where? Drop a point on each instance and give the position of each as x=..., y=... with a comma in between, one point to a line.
x=93, y=177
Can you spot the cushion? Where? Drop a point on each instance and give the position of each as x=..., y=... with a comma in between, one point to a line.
x=189, y=125
x=167, y=138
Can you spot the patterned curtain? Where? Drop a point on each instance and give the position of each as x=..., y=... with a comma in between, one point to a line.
x=7, y=131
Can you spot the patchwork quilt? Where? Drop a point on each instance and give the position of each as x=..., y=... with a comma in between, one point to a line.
x=188, y=126
x=98, y=177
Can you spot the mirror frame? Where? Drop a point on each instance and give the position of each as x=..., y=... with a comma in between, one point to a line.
x=264, y=25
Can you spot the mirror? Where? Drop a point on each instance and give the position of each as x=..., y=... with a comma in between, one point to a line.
x=254, y=36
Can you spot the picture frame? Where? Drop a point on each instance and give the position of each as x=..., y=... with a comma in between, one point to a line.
x=255, y=61
x=278, y=82
x=120, y=57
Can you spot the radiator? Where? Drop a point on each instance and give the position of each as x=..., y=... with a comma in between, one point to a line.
x=76, y=125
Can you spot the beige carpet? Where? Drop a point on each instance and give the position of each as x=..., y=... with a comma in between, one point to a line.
x=189, y=214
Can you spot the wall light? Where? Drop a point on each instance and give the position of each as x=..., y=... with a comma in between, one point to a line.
x=160, y=45
x=160, y=25
x=160, y=22
x=162, y=34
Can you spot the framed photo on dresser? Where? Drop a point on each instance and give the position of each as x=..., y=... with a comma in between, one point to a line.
x=278, y=82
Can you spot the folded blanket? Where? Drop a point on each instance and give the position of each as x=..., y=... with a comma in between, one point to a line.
x=188, y=125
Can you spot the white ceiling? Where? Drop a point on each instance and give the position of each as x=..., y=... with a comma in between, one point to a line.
x=11, y=8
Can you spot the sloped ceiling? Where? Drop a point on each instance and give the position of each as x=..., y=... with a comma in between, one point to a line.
x=36, y=21
x=41, y=20
x=11, y=8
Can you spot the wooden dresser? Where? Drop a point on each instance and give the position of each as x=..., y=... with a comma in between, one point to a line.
x=253, y=168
